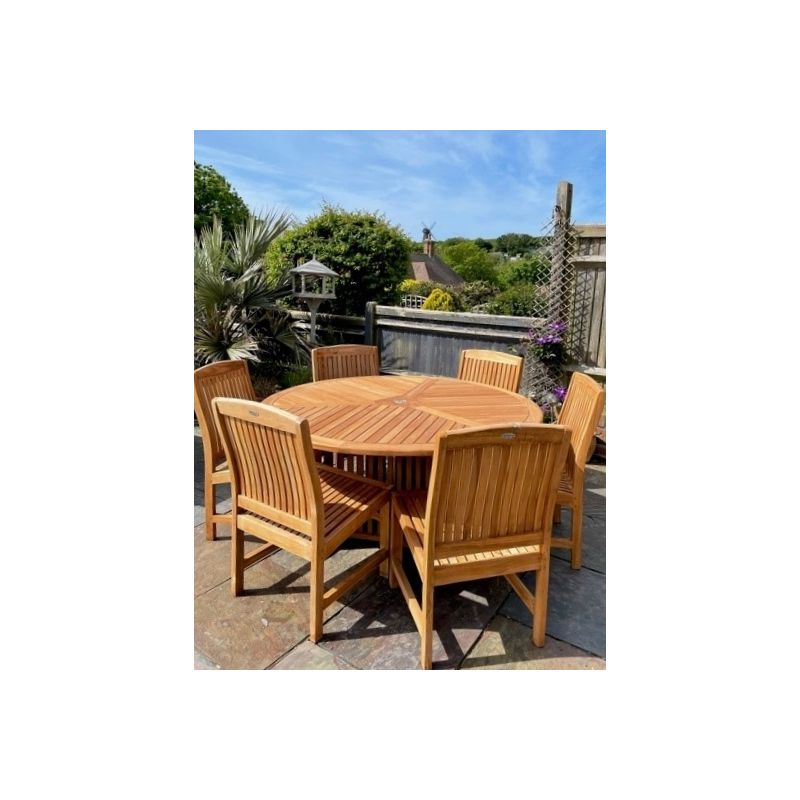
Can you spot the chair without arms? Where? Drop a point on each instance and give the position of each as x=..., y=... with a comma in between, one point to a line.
x=344, y=361
x=488, y=512
x=281, y=496
x=220, y=379
x=349, y=361
x=581, y=412
x=490, y=367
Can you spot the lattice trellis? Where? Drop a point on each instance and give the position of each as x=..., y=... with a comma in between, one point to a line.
x=560, y=307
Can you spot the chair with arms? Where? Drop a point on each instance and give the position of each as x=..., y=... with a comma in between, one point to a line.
x=344, y=361
x=220, y=379
x=488, y=512
x=581, y=412
x=490, y=367
x=280, y=495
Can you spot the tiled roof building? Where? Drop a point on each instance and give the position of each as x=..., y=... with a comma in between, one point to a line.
x=426, y=266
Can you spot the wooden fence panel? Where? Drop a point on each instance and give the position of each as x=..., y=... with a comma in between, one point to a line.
x=430, y=342
x=587, y=314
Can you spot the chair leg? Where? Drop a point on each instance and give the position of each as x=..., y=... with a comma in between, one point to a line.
x=395, y=549
x=426, y=658
x=540, y=603
x=237, y=560
x=317, y=591
x=210, y=501
x=577, y=532
x=385, y=537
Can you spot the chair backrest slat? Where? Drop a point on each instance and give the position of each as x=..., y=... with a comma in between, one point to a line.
x=220, y=379
x=344, y=361
x=502, y=370
x=581, y=412
x=495, y=481
x=272, y=463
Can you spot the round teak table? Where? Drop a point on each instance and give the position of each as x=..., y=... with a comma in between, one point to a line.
x=388, y=415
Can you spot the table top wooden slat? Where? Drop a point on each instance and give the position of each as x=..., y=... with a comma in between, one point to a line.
x=398, y=414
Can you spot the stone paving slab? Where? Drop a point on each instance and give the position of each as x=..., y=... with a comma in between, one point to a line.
x=594, y=505
x=310, y=656
x=593, y=547
x=201, y=662
x=271, y=617
x=594, y=476
x=223, y=506
x=376, y=631
x=506, y=644
x=212, y=560
x=252, y=631
x=576, y=606
x=199, y=511
x=222, y=491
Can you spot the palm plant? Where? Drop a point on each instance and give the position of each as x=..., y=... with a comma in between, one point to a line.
x=235, y=311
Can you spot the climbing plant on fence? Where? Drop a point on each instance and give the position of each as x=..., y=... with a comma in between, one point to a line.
x=551, y=342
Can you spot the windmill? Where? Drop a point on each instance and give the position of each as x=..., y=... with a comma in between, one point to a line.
x=427, y=238
x=426, y=231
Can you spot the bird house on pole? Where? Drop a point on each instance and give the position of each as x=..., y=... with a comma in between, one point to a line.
x=313, y=283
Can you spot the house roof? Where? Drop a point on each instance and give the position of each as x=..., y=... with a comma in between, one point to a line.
x=432, y=268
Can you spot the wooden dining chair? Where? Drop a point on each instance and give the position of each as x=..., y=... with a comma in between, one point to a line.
x=488, y=512
x=280, y=495
x=580, y=412
x=220, y=379
x=490, y=367
x=344, y=361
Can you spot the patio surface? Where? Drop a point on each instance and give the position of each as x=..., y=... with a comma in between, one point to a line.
x=477, y=625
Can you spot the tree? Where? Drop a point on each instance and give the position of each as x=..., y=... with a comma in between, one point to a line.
x=235, y=310
x=532, y=270
x=452, y=240
x=516, y=243
x=469, y=261
x=215, y=197
x=484, y=244
x=370, y=255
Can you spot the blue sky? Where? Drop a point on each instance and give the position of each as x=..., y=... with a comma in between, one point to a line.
x=470, y=183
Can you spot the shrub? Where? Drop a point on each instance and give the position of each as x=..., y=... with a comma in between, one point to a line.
x=370, y=255
x=518, y=301
x=412, y=286
x=440, y=300
x=477, y=293
x=295, y=376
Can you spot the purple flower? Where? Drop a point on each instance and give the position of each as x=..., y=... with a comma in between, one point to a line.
x=560, y=392
x=549, y=339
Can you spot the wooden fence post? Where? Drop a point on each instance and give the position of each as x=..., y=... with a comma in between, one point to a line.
x=558, y=266
x=370, y=334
